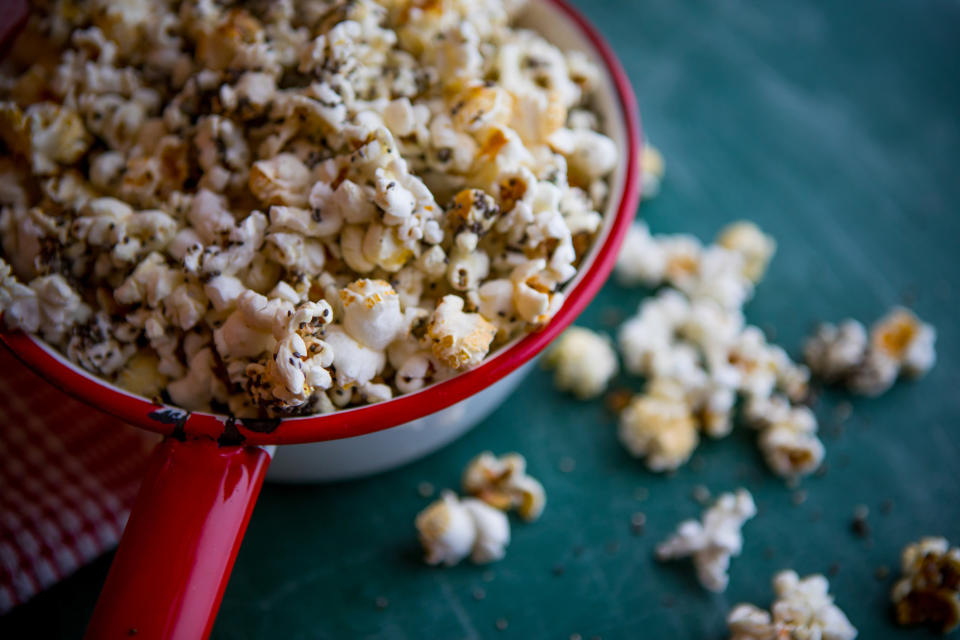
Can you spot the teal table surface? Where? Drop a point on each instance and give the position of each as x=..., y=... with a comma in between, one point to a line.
x=835, y=126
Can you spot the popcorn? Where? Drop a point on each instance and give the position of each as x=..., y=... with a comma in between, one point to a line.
x=584, y=362
x=803, y=609
x=903, y=338
x=641, y=261
x=503, y=483
x=756, y=247
x=200, y=385
x=281, y=180
x=372, y=312
x=451, y=529
x=790, y=444
x=459, y=340
x=898, y=342
x=169, y=187
x=929, y=591
x=658, y=425
x=713, y=542
x=833, y=352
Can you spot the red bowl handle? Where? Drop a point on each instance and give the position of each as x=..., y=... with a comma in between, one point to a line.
x=179, y=545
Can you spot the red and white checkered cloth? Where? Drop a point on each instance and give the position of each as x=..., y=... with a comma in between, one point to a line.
x=68, y=475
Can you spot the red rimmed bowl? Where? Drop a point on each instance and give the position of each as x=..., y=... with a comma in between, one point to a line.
x=179, y=545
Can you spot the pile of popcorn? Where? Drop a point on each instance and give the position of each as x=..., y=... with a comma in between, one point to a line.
x=451, y=528
x=289, y=207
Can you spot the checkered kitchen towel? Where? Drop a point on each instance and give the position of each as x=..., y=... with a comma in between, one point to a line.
x=68, y=475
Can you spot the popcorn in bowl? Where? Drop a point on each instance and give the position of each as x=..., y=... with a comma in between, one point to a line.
x=294, y=208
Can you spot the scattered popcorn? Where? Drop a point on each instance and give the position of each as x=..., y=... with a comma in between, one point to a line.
x=203, y=173
x=503, y=483
x=804, y=610
x=584, y=362
x=705, y=350
x=713, y=542
x=898, y=343
x=659, y=426
x=450, y=529
x=929, y=591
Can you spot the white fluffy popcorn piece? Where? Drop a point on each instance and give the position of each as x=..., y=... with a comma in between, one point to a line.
x=803, y=610
x=641, y=260
x=502, y=482
x=928, y=591
x=659, y=426
x=584, y=362
x=200, y=385
x=283, y=180
x=451, y=529
x=755, y=246
x=459, y=340
x=18, y=302
x=371, y=312
x=649, y=334
x=713, y=541
x=355, y=363
x=833, y=352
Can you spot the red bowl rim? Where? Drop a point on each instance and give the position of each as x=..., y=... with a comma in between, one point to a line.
x=176, y=422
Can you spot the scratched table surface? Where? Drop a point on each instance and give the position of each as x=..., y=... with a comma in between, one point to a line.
x=835, y=126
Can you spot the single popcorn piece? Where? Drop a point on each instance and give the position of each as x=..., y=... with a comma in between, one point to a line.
x=929, y=591
x=371, y=312
x=804, y=610
x=790, y=445
x=450, y=529
x=902, y=337
x=641, y=260
x=712, y=542
x=756, y=247
x=502, y=482
x=833, y=352
x=584, y=362
x=460, y=340
x=659, y=426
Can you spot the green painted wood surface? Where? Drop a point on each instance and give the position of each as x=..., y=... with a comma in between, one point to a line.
x=836, y=126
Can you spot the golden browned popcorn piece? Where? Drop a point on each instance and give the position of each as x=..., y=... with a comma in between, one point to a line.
x=460, y=340
x=905, y=339
x=659, y=426
x=503, y=483
x=929, y=591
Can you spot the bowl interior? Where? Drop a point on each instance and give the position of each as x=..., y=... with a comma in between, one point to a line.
x=615, y=103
